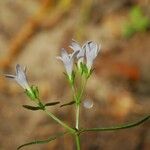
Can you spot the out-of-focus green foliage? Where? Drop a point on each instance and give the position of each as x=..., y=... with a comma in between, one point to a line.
x=137, y=22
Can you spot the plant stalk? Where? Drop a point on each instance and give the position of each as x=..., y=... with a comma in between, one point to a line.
x=77, y=141
x=77, y=116
x=71, y=130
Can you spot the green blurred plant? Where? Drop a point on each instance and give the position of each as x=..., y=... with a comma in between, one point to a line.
x=137, y=22
x=84, y=56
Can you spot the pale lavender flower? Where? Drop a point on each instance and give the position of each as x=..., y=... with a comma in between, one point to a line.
x=68, y=60
x=80, y=51
x=92, y=51
x=20, y=77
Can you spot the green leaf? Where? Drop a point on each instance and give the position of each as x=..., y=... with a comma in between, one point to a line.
x=138, y=22
x=31, y=107
x=136, y=14
x=51, y=138
x=143, y=24
x=124, y=126
x=69, y=103
x=52, y=103
x=128, y=31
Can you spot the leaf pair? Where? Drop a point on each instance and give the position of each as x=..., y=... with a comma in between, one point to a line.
x=40, y=107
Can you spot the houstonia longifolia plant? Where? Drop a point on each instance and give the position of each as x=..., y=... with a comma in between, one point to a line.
x=78, y=68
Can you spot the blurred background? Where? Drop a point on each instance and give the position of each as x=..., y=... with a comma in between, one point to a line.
x=32, y=34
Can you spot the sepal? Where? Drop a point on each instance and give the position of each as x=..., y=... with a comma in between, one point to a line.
x=71, y=78
x=33, y=93
x=85, y=71
x=83, y=68
x=30, y=94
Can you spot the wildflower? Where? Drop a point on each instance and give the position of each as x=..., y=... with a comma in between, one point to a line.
x=68, y=60
x=92, y=51
x=21, y=79
x=77, y=48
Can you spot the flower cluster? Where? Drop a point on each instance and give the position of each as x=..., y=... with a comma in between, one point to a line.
x=84, y=55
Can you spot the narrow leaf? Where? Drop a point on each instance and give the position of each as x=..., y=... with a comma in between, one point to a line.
x=66, y=104
x=52, y=103
x=125, y=126
x=31, y=107
x=51, y=138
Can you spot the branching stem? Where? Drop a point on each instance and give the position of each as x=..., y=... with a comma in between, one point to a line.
x=71, y=130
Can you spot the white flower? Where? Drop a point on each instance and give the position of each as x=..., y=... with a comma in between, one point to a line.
x=92, y=51
x=20, y=77
x=68, y=60
x=80, y=51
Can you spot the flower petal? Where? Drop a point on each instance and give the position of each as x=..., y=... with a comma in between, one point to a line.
x=60, y=58
x=67, y=59
x=92, y=51
x=75, y=46
x=10, y=76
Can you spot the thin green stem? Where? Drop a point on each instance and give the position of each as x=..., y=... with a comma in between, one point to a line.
x=74, y=93
x=77, y=116
x=77, y=98
x=78, y=101
x=71, y=130
x=77, y=107
x=77, y=141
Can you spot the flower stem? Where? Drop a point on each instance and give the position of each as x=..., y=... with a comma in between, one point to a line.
x=77, y=116
x=71, y=130
x=77, y=141
x=74, y=93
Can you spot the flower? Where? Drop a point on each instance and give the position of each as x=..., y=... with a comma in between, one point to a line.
x=85, y=56
x=68, y=60
x=92, y=51
x=20, y=77
x=77, y=48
